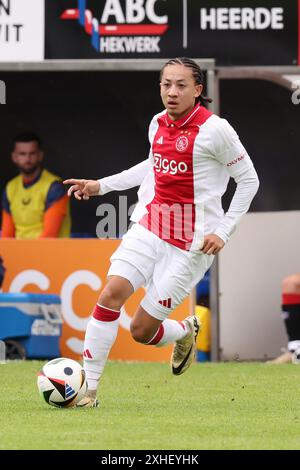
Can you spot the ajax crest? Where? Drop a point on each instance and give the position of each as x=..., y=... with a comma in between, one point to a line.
x=182, y=143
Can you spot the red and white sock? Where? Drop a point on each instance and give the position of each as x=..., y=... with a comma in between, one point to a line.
x=169, y=332
x=100, y=336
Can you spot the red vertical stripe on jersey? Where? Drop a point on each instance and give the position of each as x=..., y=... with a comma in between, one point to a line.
x=171, y=213
x=290, y=299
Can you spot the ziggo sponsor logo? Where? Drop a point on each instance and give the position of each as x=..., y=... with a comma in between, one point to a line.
x=164, y=165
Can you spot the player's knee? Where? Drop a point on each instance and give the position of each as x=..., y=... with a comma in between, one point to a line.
x=291, y=284
x=138, y=333
x=111, y=298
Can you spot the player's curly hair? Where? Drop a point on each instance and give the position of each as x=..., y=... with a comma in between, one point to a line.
x=196, y=71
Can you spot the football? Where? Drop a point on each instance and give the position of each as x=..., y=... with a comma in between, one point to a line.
x=62, y=382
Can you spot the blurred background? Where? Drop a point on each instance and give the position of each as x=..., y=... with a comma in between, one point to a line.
x=84, y=75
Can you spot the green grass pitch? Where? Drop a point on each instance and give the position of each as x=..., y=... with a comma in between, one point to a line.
x=212, y=406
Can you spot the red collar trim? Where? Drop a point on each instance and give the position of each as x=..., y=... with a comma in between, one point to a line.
x=183, y=121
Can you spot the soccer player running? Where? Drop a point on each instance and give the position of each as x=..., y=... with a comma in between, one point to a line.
x=179, y=221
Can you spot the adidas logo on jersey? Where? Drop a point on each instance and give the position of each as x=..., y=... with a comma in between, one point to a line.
x=160, y=140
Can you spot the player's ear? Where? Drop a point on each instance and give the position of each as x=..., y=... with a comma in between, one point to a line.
x=198, y=90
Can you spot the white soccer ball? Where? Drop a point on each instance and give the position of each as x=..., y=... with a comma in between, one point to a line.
x=62, y=382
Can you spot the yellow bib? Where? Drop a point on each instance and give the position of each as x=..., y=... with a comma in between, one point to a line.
x=27, y=206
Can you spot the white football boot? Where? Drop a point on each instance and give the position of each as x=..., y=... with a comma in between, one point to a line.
x=185, y=348
x=88, y=401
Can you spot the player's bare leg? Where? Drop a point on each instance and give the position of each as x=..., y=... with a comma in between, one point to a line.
x=101, y=334
x=103, y=327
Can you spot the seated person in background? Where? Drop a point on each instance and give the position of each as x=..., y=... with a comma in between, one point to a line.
x=34, y=203
x=291, y=316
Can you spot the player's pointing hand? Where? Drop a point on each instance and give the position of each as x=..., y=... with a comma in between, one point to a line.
x=83, y=189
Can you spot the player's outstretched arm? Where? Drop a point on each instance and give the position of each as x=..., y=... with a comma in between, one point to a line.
x=83, y=189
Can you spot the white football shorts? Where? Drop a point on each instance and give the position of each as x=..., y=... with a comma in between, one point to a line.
x=167, y=272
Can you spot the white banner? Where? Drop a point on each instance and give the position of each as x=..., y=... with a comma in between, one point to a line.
x=22, y=30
